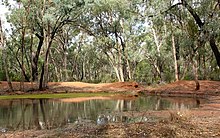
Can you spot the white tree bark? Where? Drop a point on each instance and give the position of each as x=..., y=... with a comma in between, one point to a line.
x=175, y=59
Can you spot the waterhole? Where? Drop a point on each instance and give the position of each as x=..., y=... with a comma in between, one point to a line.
x=23, y=114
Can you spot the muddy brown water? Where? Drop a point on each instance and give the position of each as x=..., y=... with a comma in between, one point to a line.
x=22, y=114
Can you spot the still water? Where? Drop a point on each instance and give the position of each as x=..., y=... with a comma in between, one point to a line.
x=55, y=113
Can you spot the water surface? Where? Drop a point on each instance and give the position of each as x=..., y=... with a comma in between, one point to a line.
x=54, y=113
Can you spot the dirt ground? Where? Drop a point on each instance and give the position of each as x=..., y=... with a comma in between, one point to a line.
x=60, y=87
x=194, y=123
x=178, y=88
x=186, y=88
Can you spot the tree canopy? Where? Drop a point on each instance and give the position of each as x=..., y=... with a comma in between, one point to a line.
x=110, y=40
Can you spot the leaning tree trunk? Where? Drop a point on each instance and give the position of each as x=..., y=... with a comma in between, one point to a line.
x=214, y=49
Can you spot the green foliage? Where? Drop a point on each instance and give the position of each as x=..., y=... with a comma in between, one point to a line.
x=92, y=39
x=192, y=29
x=107, y=78
x=2, y=76
x=143, y=73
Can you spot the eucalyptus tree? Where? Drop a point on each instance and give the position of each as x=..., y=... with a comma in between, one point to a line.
x=45, y=19
x=153, y=38
x=20, y=23
x=91, y=40
x=63, y=41
x=4, y=56
x=188, y=28
x=110, y=23
x=85, y=61
x=205, y=16
x=25, y=19
x=195, y=19
x=59, y=14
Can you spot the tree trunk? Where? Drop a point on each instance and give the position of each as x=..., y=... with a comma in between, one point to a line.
x=204, y=68
x=121, y=72
x=120, y=57
x=31, y=59
x=195, y=71
x=82, y=71
x=117, y=67
x=46, y=73
x=175, y=59
x=55, y=68
x=117, y=73
x=158, y=71
x=158, y=44
x=23, y=73
x=44, y=68
x=22, y=59
x=215, y=49
x=36, y=57
x=185, y=66
x=65, y=66
x=120, y=66
x=41, y=77
x=129, y=70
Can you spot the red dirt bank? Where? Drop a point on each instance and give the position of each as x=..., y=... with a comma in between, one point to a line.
x=60, y=87
x=176, y=88
x=186, y=88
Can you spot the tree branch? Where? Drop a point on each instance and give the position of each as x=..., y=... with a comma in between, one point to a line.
x=193, y=13
x=190, y=9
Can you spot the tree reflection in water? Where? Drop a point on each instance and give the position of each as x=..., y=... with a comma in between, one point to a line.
x=49, y=113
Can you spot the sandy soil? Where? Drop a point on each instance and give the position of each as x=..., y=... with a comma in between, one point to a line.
x=176, y=88
x=194, y=123
x=186, y=88
x=59, y=87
